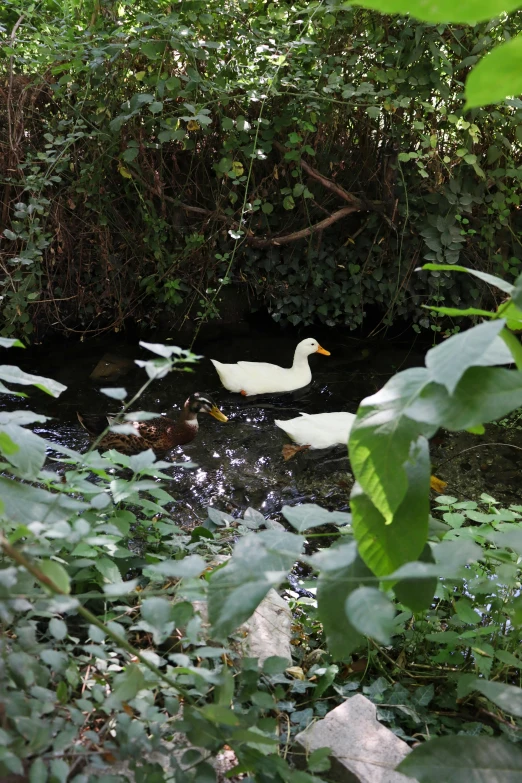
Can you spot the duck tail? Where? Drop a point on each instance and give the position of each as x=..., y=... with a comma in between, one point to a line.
x=94, y=425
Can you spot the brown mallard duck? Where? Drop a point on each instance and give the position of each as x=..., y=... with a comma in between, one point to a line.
x=160, y=434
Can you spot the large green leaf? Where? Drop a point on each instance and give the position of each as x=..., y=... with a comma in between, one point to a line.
x=371, y=612
x=507, y=697
x=484, y=394
x=385, y=547
x=464, y=760
x=464, y=12
x=417, y=594
x=308, y=515
x=380, y=440
x=333, y=588
x=498, y=75
x=30, y=455
x=13, y=374
x=26, y=504
x=260, y=561
x=57, y=574
x=487, y=278
x=479, y=346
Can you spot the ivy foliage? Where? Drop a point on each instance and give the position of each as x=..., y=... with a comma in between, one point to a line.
x=314, y=153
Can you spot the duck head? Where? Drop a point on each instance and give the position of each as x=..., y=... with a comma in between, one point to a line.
x=308, y=346
x=200, y=403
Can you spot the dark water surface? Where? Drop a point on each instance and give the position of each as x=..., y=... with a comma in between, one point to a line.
x=240, y=463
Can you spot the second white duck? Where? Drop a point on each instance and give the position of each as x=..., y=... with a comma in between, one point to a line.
x=262, y=378
x=316, y=431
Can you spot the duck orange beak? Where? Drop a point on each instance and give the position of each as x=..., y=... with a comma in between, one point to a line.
x=323, y=350
x=216, y=413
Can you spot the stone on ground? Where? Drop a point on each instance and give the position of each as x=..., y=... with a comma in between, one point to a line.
x=363, y=750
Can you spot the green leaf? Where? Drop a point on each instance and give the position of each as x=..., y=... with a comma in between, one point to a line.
x=120, y=588
x=127, y=687
x=308, y=516
x=157, y=618
x=479, y=346
x=318, y=761
x=9, y=342
x=30, y=455
x=466, y=613
x=417, y=594
x=7, y=446
x=25, y=504
x=333, y=589
x=109, y=570
x=507, y=697
x=288, y=202
x=38, y=772
x=13, y=374
x=371, y=612
x=487, y=278
x=456, y=313
x=464, y=12
x=512, y=539
x=190, y=566
x=380, y=440
x=496, y=76
x=514, y=346
x=451, y=558
x=57, y=574
x=482, y=395
x=117, y=393
x=153, y=49
x=516, y=295
x=506, y=657
x=260, y=561
x=385, y=547
x=464, y=759
x=57, y=628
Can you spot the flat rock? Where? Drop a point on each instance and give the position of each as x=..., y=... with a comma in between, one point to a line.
x=363, y=750
x=269, y=630
x=111, y=366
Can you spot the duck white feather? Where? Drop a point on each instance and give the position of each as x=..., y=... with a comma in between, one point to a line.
x=319, y=430
x=262, y=378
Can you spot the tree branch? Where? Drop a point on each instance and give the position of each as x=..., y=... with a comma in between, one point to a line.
x=304, y=232
x=325, y=182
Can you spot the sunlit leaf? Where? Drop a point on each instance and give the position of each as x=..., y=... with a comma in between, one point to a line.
x=13, y=374
x=465, y=12
x=385, y=547
x=498, y=75
x=381, y=437
x=479, y=346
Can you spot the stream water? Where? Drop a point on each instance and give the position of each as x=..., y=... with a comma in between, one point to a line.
x=240, y=464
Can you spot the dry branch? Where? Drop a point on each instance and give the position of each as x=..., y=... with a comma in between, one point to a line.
x=304, y=232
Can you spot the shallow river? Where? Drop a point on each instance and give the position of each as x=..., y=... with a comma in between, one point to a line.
x=240, y=464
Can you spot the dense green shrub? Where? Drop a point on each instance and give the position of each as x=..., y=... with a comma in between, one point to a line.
x=153, y=153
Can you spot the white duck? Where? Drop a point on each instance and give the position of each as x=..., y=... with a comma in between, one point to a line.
x=316, y=431
x=263, y=378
